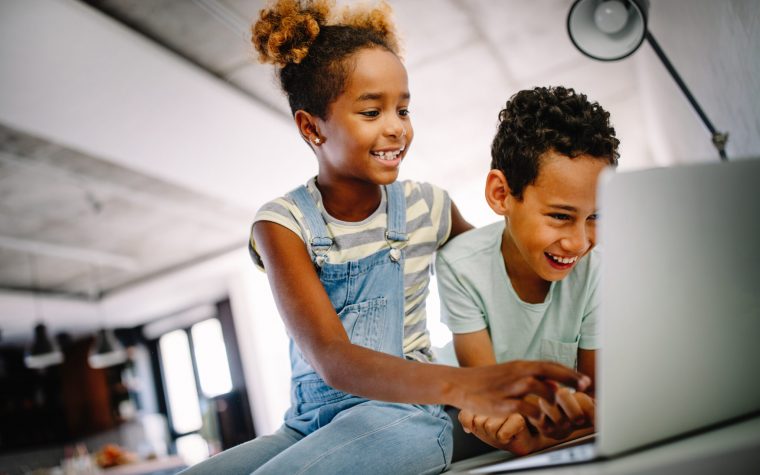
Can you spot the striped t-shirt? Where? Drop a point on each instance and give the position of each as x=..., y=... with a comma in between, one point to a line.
x=428, y=224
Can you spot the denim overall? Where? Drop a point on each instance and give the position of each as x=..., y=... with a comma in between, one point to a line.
x=328, y=431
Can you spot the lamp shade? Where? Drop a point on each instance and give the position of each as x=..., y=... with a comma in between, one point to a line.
x=607, y=30
x=42, y=352
x=106, y=351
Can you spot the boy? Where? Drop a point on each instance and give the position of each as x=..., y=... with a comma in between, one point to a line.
x=525, y=287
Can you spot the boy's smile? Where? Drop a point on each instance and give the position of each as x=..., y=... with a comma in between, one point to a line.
x=554, y=225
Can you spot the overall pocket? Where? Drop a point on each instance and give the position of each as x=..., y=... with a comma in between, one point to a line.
x=560, y=351
x=364, y=322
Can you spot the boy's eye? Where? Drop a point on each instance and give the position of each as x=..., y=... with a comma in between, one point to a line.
x=593, y=217
x=560, y=216
x=370, y=113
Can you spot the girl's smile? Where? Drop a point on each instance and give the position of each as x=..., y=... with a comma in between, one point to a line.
x=367, y=132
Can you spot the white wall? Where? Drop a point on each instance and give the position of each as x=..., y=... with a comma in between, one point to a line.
x=715, y=47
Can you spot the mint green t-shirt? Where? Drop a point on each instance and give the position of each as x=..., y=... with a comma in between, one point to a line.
x=476, y=293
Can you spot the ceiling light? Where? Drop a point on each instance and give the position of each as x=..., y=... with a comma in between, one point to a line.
x=43, y=352
x=106, y=350
x=609, y=30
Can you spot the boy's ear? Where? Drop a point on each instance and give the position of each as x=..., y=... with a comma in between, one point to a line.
x=497, y=192
x=308, y=128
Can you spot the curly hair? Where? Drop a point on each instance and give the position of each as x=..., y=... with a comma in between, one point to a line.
x=536, y=121
x=311, y=48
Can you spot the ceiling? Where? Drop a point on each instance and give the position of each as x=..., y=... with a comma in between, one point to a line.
x=137, y=138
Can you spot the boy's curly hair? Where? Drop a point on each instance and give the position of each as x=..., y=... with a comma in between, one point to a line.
x=536, y=121
x=309, y=46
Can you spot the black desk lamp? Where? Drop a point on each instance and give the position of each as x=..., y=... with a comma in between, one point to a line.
x=609, y=30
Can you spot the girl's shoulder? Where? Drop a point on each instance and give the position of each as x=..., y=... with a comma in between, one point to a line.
x=422, y=194
x=283, y=211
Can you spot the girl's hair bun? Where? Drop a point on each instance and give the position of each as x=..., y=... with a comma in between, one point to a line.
x=286, y=29
x=377, y=19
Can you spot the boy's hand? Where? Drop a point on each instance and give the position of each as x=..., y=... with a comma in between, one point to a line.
x=495, y=431
x=509, y=433
x=571, y=411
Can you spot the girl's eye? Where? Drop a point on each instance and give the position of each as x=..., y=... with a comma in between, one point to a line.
x=370, y=113
x=403, y=112
x=560, y=216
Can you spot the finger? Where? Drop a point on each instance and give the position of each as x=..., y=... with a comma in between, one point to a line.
x=552, y=422
x=514, y=424
x=557, y=372
x=493, y=424
x=587, y=405
x=531, y=385
x=569, y=405
x=465, y=418
x=478, y=423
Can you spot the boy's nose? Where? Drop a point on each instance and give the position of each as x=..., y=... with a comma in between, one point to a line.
x=579, y=241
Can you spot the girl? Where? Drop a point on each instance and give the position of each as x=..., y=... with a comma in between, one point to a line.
x=348, y=258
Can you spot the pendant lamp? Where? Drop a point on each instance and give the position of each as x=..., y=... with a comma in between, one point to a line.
x=106, y=350
x=610, y=30
x=43, y=352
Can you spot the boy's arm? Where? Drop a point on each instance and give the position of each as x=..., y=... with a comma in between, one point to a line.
x=587, y=366
x=312, y=322
x=474, y=349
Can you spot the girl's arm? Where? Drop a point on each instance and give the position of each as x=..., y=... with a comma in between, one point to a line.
x=312, y=322
x=458, y=223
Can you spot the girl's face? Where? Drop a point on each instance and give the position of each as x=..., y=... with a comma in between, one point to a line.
x=368, y=130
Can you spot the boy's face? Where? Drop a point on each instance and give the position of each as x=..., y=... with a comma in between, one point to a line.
x=555, y=223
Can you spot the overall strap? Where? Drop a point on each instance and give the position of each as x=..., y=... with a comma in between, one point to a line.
x=321, y=241
x=396, y=232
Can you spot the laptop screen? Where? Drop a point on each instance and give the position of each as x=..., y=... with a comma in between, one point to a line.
x=680, y=301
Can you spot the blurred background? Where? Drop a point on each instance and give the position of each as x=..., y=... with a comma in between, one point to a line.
x=138, y=138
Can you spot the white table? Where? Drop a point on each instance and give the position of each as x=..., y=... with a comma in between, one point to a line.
x=727, y=450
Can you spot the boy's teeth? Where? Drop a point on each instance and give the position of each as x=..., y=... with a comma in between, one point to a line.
x=564, y=260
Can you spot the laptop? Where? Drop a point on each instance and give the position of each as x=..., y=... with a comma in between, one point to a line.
x=680, y=308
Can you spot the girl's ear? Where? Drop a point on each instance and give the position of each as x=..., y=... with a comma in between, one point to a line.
x=307, y=126
x=498, y=194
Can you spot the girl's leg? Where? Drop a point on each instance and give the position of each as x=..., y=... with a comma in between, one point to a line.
x=372, y=438
x=247, y=457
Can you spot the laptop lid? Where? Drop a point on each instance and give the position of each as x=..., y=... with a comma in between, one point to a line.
x=680, y=301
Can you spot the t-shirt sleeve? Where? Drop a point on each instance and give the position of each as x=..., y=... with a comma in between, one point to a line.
x=439, y=204
x=459, y=309
x=589, y=338
x=279, y=211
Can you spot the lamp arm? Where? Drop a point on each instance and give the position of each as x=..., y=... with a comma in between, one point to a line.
x=719, y=139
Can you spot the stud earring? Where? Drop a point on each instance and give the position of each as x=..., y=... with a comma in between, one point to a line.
x=317, y=140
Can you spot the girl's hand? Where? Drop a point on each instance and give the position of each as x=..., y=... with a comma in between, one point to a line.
x=500, y=389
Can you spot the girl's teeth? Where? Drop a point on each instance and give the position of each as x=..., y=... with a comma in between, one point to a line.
x=387, y=155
